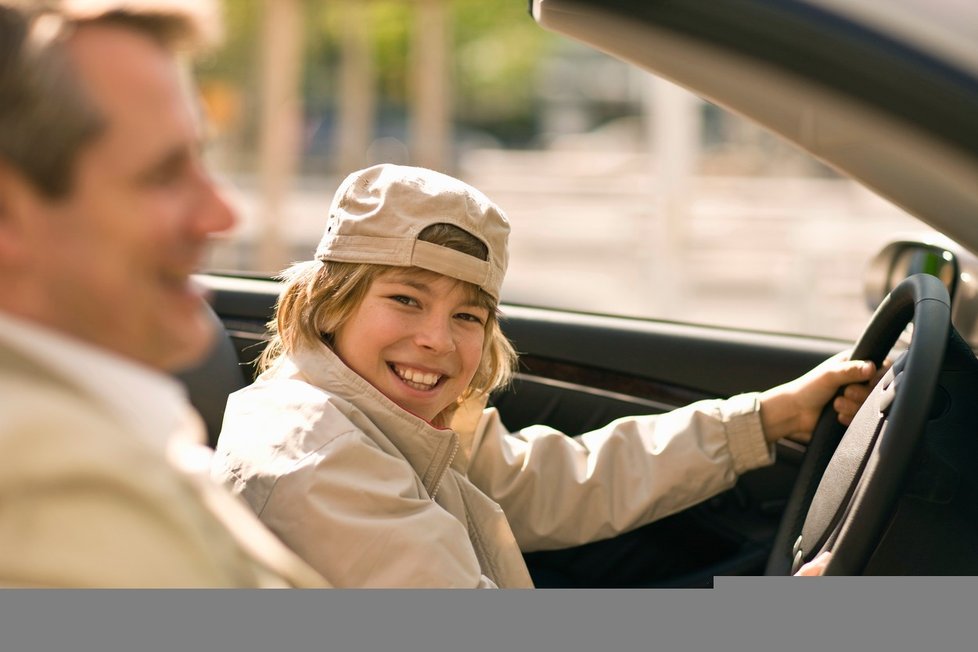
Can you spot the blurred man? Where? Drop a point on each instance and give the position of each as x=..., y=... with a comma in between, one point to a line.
x=105, y=210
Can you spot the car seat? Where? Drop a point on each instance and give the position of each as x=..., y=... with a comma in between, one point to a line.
x=211, y=381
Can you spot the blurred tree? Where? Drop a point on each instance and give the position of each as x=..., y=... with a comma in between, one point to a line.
x=496, y=50
x=228, y=81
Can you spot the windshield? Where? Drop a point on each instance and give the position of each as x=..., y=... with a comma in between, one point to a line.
x=627, y=194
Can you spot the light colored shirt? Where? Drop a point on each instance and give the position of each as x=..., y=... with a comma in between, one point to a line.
x=152, y=404
x=103, y=478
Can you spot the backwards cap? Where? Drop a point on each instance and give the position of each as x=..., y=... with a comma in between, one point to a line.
x=377, y=214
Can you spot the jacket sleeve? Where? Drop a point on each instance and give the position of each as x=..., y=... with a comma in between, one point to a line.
x=353, y=512
x=559, y=491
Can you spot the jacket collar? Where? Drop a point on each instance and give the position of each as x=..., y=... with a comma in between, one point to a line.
x=428, y=449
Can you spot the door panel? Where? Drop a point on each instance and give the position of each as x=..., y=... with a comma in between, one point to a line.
x=577, y=373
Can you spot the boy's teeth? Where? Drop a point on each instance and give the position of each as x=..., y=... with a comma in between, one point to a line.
x=418, y=379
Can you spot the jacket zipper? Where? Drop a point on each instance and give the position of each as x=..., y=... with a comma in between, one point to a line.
x=444, y=468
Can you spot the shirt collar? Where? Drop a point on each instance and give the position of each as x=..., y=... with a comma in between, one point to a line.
x=149, y=402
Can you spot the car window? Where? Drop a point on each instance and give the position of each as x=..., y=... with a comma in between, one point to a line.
x=626, y=194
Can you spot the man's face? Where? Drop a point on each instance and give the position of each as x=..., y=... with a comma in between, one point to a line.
x=116, y=254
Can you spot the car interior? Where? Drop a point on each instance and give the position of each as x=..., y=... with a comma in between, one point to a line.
x=650, y=367
x=559, y=384
x=892, y=494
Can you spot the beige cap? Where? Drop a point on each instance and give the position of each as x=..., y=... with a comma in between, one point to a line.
x=377, y=214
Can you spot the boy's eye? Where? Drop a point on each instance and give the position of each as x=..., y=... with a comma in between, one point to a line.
x=407, y=301
x=467, y=316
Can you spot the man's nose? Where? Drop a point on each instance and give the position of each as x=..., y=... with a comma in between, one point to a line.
x=214, y=213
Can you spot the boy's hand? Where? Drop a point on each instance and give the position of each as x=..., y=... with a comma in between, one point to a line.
x=793, y=409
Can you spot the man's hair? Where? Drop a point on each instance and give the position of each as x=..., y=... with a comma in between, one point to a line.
x=319, y=297
x=45, y=116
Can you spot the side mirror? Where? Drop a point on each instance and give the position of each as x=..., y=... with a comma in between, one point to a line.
x=932, y=254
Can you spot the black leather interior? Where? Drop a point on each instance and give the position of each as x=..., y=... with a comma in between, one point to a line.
x=209, y=383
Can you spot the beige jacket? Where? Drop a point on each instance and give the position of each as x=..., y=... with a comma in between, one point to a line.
x=372, y=496
x=85, y=503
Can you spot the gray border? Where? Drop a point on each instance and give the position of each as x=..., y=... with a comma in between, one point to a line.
x=743, y=613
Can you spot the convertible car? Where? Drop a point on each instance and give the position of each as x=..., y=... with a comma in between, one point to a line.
x=884, y=93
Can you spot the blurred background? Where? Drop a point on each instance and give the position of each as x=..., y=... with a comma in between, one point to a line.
x=627, y=195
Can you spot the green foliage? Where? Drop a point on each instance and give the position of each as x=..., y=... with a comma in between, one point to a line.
x=496, y=50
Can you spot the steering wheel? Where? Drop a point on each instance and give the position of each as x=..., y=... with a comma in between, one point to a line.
x=850, y=478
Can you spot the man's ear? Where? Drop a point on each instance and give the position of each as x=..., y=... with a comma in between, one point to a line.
x=16, y=199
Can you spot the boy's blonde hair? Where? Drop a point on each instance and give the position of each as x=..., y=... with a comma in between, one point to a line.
x=320, y=296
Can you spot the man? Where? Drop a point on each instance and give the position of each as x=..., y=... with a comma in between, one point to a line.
x=105, y=210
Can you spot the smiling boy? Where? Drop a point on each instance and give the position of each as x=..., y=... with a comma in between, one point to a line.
x=364, y=443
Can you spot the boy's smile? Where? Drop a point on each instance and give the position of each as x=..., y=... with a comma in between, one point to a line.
x=416, y=378
x=417, y=337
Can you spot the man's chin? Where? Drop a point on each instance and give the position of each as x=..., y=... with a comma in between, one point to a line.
x=189, y=347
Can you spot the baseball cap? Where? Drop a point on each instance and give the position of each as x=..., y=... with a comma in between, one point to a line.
x=378, y=212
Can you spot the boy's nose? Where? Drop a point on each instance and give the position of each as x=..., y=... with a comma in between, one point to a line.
x=436, y=335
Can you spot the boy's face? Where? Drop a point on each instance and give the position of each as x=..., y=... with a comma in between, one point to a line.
x=417, y=337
